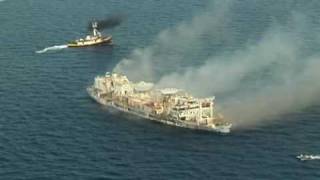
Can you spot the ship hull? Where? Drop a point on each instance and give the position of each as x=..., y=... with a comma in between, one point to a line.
x=221, y=129
x=102, y=41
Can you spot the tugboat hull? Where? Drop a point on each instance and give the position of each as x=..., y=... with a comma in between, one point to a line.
x=98, y=41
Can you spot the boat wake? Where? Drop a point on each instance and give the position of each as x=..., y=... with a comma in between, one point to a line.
x=52, y=48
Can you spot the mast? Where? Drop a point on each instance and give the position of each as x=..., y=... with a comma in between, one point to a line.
x=94, y=29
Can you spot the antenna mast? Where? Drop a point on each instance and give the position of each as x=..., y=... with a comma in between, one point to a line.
x=95, y=30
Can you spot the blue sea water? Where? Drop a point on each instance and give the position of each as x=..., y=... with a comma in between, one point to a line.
x=51, y=129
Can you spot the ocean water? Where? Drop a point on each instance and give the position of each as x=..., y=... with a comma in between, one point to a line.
x=51, y=129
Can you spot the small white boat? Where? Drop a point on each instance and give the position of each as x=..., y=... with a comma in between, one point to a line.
x=305, y=157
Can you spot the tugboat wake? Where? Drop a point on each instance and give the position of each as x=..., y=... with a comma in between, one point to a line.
x=52, y=48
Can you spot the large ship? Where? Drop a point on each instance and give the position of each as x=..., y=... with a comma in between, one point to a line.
x=90, y=40
x=169, y=106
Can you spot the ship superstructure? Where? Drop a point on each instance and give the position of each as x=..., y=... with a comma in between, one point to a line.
x=170, y=106
x=95, y=39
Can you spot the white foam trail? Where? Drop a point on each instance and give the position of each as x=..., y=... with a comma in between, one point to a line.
x=52, y=48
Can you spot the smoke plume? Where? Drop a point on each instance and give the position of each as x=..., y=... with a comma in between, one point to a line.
x=257, y=69
x=108, y=23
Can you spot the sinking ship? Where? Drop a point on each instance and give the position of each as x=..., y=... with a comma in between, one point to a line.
x=91, y=40
x=305, y=157
x=169, y=106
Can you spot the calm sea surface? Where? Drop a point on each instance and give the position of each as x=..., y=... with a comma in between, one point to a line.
x=51, y=129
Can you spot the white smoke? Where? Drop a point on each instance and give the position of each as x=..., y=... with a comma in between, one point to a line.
x=225, y=72
x=175, y=48
x=257, y=81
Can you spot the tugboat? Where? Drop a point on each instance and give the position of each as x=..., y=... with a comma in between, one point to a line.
x=91, y=40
